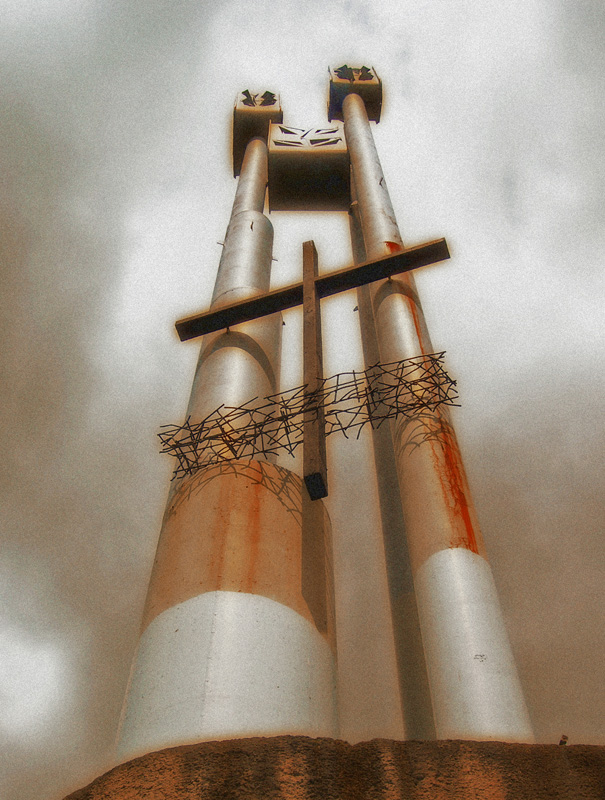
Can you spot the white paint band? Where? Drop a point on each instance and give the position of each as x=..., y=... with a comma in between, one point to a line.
x=475, y=689
x=224, y=665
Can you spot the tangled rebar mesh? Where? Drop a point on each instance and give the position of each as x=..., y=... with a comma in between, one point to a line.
x=350, y=401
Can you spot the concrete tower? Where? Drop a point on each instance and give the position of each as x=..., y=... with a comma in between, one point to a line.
x=238, y=636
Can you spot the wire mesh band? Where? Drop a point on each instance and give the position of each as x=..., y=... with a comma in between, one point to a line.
x=351, y=400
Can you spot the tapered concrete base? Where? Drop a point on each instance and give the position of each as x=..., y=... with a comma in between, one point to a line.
x=299, y=768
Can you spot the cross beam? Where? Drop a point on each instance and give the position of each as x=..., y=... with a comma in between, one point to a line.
x=325, y=285
x=308, y=293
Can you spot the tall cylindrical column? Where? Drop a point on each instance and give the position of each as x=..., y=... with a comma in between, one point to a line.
x=238, y=630
x=475, y=690
x=238, y=365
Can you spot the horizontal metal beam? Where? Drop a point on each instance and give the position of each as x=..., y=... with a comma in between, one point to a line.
x=280, y=299
x=411, y=258
x=243, y=311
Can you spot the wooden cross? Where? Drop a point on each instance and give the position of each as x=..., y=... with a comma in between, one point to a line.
x=308, y=294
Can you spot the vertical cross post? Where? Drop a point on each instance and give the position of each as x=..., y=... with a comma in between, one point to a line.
x=314, y=441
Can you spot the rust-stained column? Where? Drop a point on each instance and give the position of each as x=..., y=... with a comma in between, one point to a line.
x=238, y=629
x=475, y=690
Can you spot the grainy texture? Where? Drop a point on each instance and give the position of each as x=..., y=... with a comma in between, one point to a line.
x=299, y=768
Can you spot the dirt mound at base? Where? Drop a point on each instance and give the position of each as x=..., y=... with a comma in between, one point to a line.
x=299, y=768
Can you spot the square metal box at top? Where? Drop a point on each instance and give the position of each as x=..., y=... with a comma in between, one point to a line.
x=308, y=169
x=362, y=81
x=252, y=115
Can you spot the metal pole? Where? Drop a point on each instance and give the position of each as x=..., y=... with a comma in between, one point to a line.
x=475, y=690
x=238, y=631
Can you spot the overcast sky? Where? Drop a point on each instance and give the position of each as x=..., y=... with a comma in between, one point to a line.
x=115, y=189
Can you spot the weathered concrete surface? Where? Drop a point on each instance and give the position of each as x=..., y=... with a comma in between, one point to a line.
x=299, y=768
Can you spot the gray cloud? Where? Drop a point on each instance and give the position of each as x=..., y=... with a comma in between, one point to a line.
x=491, y=136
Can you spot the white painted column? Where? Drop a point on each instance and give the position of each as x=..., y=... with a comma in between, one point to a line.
x=238, y=632
x=475, y=690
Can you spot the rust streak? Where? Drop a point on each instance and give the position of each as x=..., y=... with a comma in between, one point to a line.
x=254, y=532
x=217, y=536
x=454, y=486
x=414, y=313
x=235, y=533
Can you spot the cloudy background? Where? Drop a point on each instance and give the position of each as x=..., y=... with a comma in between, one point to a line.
x=115, y=188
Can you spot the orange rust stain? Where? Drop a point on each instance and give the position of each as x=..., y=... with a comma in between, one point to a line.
x=254, y=533
x=393, y=247
x=217, y=560
x=234, y=533
x=414, y=313
x=453, y=484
